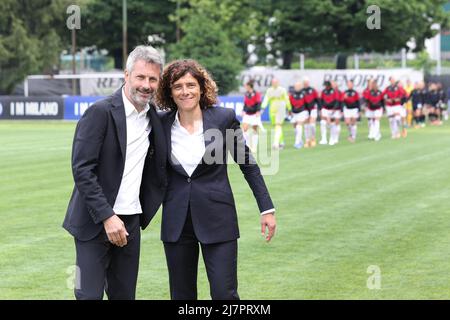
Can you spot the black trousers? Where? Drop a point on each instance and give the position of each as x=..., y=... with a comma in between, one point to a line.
x=102, y=266
x=220, y=262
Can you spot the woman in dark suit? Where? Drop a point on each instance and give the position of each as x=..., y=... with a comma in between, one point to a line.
x=199, y=207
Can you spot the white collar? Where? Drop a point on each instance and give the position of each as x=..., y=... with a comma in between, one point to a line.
x=177, y=124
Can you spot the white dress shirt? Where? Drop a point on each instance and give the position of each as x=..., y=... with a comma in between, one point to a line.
x=138, y=129
x=188, y=149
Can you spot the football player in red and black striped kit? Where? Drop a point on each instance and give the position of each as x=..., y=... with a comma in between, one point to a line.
x=330, y=110
x=351, y=110
x=251, y=116
x=299, y=113
x=337, y=114
x=394, y=97
x=311, y=98
x=374, y=101
x=366, y=91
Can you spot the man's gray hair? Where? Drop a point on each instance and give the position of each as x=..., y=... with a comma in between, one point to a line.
x=146, y=53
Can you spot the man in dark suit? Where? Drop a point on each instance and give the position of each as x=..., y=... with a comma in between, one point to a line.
x=118, y=164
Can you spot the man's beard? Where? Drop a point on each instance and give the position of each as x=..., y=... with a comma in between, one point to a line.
x=138, y=99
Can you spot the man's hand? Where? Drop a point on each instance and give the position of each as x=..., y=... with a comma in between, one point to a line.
x=268, y=220
x=115, y=230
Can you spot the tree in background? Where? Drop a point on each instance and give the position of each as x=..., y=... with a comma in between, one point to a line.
x=29, y=38
x=312, y=26
x=102, y=24
x=218, y=33
x=298, y=27
x=244, y=21
x=340, y=26
x=400, y=22
x=206, y=42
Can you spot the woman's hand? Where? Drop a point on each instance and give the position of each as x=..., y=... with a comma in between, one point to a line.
x=268, y=220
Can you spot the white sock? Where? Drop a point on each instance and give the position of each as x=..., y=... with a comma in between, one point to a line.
x=394, y=126
x=298, y=133
x=307, y=131
x=313, y=130
x=333, y=132
x=398, y=119
x=376, y=128
x=323, y=129
x=255, y=137
x=337, y=133
x=353, y=129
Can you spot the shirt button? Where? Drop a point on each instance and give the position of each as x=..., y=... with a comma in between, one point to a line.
x=189, y=180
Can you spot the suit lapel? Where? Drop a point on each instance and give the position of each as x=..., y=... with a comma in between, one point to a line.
x=207, y=125
x=118, y=114
x=156, y=144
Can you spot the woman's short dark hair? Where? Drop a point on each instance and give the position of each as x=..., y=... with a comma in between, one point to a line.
x=250, y=83
x=178, y=69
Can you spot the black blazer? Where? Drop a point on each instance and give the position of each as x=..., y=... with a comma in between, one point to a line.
x=98, y=160
x=208, y=191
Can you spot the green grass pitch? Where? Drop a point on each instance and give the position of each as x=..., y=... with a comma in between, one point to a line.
x=341, y=211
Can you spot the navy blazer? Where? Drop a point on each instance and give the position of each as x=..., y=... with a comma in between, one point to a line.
x=98, y=161
x=207, y=192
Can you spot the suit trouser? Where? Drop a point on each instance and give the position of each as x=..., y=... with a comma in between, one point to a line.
x=220, y=262
x=103, y=266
